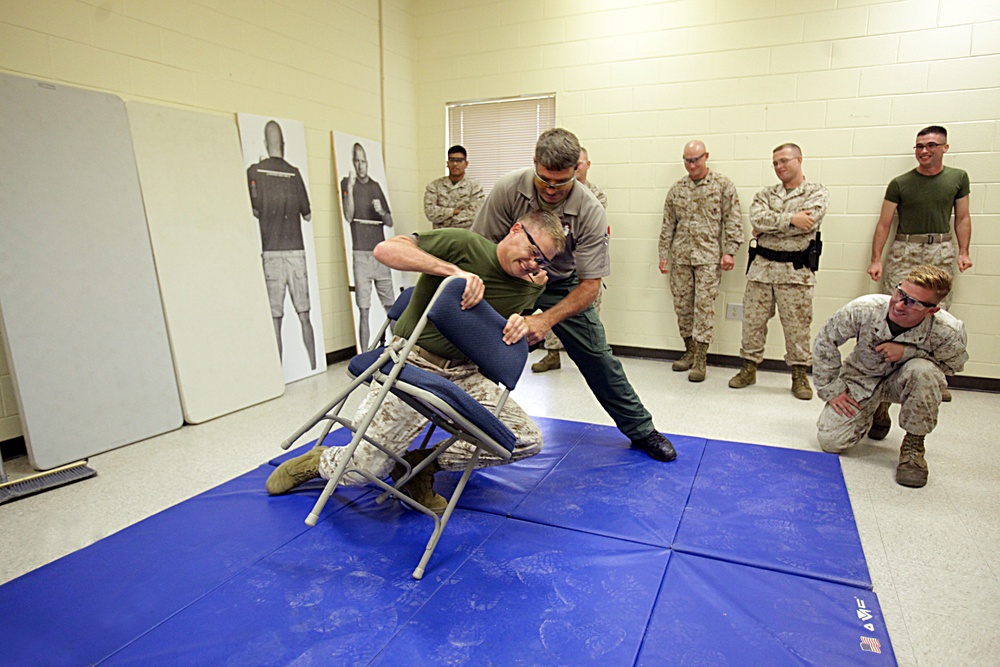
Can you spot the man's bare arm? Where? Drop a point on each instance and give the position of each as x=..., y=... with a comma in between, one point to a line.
x=403, y=254
x=963, y=232
x=880, y=237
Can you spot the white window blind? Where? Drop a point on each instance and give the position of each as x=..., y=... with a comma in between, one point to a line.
x=499, y=134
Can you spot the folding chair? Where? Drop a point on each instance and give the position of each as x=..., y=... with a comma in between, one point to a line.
x=478, y=334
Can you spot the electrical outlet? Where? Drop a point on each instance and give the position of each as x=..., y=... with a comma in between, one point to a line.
x=734, y=311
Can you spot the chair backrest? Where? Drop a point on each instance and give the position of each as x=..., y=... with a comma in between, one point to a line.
x=402, y=301
x=395, y=311
x=477, y=333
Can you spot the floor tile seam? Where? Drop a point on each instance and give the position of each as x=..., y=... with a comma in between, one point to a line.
x=804, y=575
x=469, y=554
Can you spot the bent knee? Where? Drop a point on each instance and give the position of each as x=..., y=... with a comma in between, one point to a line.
x=922, y=369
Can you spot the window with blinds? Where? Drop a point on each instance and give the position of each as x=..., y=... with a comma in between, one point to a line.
x=499, y=134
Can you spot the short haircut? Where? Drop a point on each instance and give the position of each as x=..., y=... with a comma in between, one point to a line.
x=358, y=147
x=548, y=223
x=932, y=278
x=795, y=148
x=557, y=149
x=457, y=149
x=934, y=129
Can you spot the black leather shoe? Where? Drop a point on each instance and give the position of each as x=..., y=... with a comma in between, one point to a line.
x=657, y=446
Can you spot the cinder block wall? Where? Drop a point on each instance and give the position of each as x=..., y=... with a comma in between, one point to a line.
x=851, y=81
x=317, y=61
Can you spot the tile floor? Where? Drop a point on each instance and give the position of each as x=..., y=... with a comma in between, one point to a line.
x=933, y=553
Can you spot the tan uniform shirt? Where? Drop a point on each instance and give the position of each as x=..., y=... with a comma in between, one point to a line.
x=442, y=197
x=701, y=221
x=771, y=214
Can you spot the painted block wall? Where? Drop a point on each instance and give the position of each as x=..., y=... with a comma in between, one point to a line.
x=317, y=61
x=851, y=81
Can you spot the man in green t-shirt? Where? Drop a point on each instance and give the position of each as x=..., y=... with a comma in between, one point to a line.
x=509, y=275
x=924, y=199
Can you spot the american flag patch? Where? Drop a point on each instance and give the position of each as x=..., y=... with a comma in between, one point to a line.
x=871, y=645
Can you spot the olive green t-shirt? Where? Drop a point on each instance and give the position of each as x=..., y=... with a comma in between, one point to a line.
x=925, y=203
x=475, y=254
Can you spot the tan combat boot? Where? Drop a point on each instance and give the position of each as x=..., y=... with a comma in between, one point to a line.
x=549, y=362
x=945, y=395
x=295, y=471
x=800, y=384
x=746, y=377
x=421, y=487
x=912, y=468
x=686, y=361
x=881, y=422
x=697, y=373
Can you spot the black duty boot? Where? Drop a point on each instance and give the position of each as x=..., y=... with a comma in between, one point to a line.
x=881, y=422
x=657, y=446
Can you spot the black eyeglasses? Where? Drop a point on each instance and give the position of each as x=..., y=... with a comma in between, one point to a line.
x=456, y=160
x=910, y=302
x=694, y=160
x=540, y=259
x=930, y=145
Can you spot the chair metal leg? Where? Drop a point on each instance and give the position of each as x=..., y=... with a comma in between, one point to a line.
x=439, y=526
x=323, y=414
x=359, y=433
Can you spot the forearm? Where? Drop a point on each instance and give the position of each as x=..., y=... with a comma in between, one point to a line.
x=582, y=296
x=436, y=214
x=348, y=204
x=666, y=237
x=963, y=233
x=403, y=254
x=882, y=230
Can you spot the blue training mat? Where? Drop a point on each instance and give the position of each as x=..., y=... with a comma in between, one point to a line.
x=333, y=596
x=499, y=489
x=774, y=508
x=766, y=568
x=605, y=487
x=83, y=607
x=712, y=613
x=537, y=595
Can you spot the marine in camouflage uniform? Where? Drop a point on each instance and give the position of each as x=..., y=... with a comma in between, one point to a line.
x=785, y=218
x=702, y=230
x=453, y=200
x=906, y=366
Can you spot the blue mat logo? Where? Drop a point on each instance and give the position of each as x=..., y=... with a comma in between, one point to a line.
x=869, y=644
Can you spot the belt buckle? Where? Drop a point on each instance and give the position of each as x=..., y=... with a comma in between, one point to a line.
x=930, y=239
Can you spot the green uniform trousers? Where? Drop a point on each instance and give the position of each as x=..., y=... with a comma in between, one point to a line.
x=583, y=338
